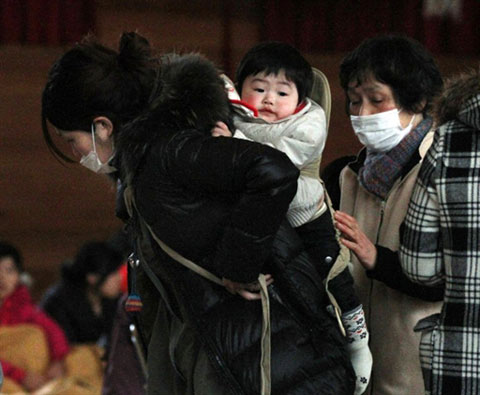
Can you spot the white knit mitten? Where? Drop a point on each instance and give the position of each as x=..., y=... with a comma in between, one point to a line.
x=360, y=355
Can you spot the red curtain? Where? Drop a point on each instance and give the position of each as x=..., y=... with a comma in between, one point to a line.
x=45, y=21
x=340, y=25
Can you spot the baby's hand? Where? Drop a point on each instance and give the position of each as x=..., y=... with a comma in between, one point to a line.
x=221, y=129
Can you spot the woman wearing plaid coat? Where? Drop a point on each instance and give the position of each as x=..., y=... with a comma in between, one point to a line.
x=441, y=241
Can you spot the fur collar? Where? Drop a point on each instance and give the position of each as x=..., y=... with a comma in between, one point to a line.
x=189, y=94
x=457, y=97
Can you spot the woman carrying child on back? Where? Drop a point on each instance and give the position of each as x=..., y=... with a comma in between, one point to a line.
x=274, y=81
x=217, y=202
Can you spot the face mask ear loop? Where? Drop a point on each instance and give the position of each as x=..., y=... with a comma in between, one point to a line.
x=411, y=121
x=93, y=138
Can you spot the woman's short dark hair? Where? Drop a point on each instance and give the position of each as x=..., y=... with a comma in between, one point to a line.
x=271, y=57
x=92, y=80
x=399, y=62
x=8, y=250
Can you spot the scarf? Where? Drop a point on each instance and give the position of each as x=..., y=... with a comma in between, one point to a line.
x=381, y=170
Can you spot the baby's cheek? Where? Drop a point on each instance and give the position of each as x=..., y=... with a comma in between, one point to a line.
x=250, y=99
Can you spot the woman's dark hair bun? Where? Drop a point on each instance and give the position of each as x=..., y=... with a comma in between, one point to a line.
x=134, y=51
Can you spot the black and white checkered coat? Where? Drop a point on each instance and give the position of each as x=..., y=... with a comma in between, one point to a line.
x=441, y=241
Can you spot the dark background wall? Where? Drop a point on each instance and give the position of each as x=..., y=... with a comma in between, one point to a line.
x=48, y=209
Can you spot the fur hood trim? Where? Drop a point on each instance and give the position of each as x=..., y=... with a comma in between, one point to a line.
x=457, y=95
x=189, y=94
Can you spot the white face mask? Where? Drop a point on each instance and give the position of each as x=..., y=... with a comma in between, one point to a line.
x=92, y=161
x=380, y=132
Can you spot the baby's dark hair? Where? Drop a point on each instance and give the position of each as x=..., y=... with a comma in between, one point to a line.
x=399, y=62
x=271, y=57
x=8, y=250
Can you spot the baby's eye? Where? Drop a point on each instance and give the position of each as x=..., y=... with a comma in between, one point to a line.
x=259, y=90
x=283, y=93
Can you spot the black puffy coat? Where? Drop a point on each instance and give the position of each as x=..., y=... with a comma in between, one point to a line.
x=220, y=202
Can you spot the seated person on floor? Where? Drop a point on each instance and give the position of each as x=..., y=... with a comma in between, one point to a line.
x=84, y=301
x=32, y=346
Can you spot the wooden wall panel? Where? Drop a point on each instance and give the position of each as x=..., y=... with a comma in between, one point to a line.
x=48, y=209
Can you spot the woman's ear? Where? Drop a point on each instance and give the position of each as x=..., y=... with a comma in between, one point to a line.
x=103, y=128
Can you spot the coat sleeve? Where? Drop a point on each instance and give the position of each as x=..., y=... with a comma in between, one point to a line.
x=264, y=181
x=389, y=271
x=421, y=253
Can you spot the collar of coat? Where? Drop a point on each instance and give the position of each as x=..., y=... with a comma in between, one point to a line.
x=189, y=94
x=460, y=100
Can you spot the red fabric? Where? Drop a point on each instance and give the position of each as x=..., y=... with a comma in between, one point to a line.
x=340, y=25
x=45, y=22
x=280, y=20
x=123, y=270
x=463, y=36
x=12, y=372
x=300, y=107
x=18, y=308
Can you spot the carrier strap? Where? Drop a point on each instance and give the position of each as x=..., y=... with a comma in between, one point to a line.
x=341, y=263
x=312, y=170
x=265, y=361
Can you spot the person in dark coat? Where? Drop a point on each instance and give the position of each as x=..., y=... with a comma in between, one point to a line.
x=217, y=202
x=84, y=301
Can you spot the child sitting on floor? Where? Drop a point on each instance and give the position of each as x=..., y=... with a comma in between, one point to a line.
x=20, y=318
x=274, y=81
